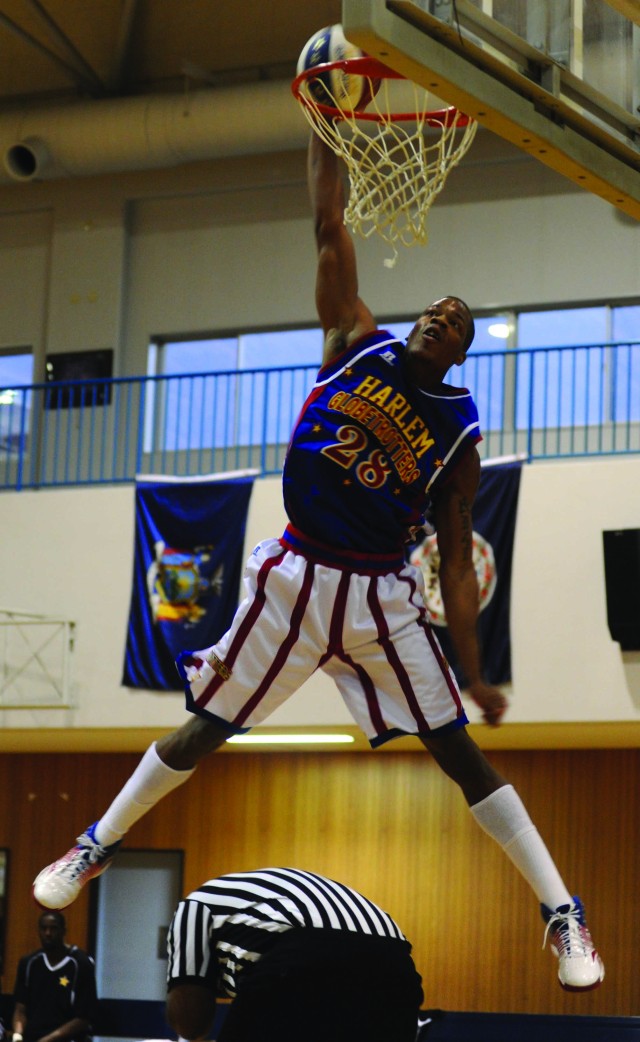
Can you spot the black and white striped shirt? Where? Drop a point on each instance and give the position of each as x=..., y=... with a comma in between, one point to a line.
x=230, y=922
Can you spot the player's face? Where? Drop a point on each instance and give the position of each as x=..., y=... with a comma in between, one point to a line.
x=51, y=932
x=437, y=340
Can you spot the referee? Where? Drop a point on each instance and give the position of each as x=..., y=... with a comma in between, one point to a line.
x=303, y=959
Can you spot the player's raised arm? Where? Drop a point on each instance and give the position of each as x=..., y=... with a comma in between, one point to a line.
x=342, y=313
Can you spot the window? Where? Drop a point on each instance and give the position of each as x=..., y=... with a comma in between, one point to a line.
x=562, y=327
x=545, y=369
x=579, y=388
x=625, y=364
x=229, y=391
x=276, y=396
x=625, y=323
x=16, y=373
x=191, y=407
x=16, y=369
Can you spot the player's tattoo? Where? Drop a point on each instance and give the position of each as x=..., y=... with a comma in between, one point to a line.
x=466, y=528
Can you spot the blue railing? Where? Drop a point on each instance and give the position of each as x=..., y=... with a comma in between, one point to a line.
x=541, y=403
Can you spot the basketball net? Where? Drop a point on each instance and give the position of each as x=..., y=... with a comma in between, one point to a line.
x=398, y=161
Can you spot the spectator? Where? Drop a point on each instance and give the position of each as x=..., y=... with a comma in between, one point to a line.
x=55, y=989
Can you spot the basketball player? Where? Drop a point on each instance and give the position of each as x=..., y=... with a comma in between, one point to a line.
x=301, y=957
x=379, y=437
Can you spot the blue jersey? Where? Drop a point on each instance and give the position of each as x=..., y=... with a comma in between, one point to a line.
x=369, y=448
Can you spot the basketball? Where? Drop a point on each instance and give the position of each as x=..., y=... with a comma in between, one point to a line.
x=335, y=87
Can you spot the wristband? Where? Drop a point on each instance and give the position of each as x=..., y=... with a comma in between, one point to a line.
x=17, y=1036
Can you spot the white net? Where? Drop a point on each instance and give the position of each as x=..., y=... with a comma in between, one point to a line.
x=398, y=158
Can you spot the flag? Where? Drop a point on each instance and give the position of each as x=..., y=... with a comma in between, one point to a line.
x=494, y=524
x=188, y=559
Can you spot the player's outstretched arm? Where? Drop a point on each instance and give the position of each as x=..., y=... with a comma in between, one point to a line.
x=342, y=313
x=458, y=582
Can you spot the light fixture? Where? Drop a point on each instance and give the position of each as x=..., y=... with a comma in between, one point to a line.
x=291, y=739
x=499, y=329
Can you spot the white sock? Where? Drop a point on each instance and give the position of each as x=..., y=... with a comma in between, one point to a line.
x=504, y=817
x=150, y=781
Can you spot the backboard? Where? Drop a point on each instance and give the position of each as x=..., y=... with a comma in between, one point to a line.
x=560, y=79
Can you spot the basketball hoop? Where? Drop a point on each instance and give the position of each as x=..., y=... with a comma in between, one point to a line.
x=398, y=153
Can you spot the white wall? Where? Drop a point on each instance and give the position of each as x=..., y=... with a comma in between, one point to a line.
x=70, y=552
x=251, y=275
x=24, y=264
x=110, y=262
x=566, y=666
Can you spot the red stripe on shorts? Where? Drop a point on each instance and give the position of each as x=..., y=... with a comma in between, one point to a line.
x=425, y=625
x=442, y=662
x=336, y=648
x=244, y=629
x=394, y=659
x=282, y=654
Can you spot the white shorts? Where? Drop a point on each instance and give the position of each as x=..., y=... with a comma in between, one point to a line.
x=369, y=632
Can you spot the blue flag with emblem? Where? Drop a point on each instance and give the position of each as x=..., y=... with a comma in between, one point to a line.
x=494, y=524
x=188, y=559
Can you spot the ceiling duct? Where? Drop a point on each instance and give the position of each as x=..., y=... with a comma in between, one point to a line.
x=27, y=160
x=98, y=137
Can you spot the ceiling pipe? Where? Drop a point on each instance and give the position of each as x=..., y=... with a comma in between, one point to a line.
x=26, y=160
x=123, y=134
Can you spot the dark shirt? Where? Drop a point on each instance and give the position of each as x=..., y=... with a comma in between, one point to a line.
x=55, y=993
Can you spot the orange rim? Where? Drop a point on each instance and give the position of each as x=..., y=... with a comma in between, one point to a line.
x=371, y=68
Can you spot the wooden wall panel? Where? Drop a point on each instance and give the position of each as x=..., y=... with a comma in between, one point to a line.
x=392, y=826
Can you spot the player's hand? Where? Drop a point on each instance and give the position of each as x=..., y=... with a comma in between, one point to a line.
x=491, y=701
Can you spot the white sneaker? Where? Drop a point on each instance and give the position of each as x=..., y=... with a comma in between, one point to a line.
x=59, y=884
x=580, y=968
